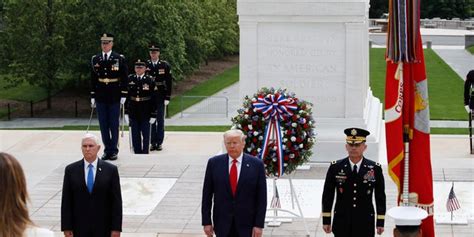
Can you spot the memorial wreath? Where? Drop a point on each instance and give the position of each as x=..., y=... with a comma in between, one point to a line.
x=279, y=129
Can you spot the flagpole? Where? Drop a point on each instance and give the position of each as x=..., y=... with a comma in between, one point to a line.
x=406, y=142
x=452, y=187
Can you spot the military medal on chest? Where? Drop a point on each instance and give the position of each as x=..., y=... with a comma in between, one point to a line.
x=115, y=66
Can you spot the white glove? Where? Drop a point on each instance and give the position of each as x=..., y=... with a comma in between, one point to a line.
x=122, y=100
x=92, y=103
x=167, y=102
x=125, y=119
x=152, y=120
x=468, y=110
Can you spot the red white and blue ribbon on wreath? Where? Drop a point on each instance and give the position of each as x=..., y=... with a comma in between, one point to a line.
x=275, y=108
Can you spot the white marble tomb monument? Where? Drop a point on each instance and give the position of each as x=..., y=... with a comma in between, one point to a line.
x=318, y=49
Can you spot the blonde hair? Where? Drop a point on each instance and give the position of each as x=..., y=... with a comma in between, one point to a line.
x=14, y=218
x=235, y=132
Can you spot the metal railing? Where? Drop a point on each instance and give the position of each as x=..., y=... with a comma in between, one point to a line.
x=199, y=105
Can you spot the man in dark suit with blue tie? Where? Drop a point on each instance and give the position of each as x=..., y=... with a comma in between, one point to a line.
x=235, y=189
x=91, y=203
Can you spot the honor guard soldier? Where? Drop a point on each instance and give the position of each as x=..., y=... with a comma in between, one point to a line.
x=108, y=93
x=160, y=70
x=468, y=91
x=141, y=107
x=407, y=220
x=354, y=180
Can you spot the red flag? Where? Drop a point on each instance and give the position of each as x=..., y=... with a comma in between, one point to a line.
x=406, y=105
x=407, y=109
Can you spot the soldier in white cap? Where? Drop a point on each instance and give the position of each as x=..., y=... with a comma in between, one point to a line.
x=407, y=220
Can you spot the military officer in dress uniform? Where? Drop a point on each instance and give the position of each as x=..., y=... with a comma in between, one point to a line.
x=141, y=107
x=407, y=220
x=108, y=92
x=160, y=70
x=354, y=179
x=468, y=94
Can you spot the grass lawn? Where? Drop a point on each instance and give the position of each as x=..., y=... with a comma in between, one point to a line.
x=471, y=49
x=206, y=88
x=445, y=87
x=22, y=92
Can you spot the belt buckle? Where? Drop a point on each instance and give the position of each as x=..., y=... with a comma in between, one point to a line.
x=106, y=81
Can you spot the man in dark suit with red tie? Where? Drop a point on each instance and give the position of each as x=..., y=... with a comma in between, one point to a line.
x=91, y=203
x=235, y=189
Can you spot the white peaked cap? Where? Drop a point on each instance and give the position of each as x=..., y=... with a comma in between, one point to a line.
x=407, y=216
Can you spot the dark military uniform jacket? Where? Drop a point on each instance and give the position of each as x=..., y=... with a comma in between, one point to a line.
x=108, y=78
x=161, y=72
x=140, y=104
x=468, y=95
x=354, y=211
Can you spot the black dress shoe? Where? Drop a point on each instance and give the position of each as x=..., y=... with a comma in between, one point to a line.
x=113, y=157
x=153, y=147
x=159, y=148
x=105, y=157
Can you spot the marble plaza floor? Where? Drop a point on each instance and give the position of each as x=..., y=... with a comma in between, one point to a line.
x=162, y=191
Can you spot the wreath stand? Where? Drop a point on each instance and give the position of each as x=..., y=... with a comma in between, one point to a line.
x=275, y=220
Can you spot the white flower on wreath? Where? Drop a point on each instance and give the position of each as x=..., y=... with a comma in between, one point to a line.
x=254, y=100
x=283, y=147
x=292, y=156
x=246, y=116
x=259, y=149
x=301, y=146
x=255, y=133
x=250, y=126
x=294, y=125
x=260, y=138
x=293, y=139
x=285, y=139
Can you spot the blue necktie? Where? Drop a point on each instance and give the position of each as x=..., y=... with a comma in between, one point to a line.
x=90, y=178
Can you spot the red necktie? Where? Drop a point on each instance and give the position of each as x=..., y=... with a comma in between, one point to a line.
x=233, y=176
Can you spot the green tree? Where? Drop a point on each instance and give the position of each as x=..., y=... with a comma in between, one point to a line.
x=35, y=43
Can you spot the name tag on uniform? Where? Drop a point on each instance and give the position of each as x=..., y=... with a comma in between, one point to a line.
x=161, y=71
x=146, y=87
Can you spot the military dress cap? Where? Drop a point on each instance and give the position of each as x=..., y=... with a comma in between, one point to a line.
x=107, y=37
x=356, y=135
x=407, y=216
x=140, y=63
x=154, y=47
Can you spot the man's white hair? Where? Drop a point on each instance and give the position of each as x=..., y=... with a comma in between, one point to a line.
x=91, y=136
x=235, y=132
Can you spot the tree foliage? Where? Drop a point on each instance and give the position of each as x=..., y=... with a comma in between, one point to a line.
x=48, y=46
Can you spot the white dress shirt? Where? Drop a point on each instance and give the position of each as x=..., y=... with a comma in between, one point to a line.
x=238, y=164
x=86, y=169
x=358, y=164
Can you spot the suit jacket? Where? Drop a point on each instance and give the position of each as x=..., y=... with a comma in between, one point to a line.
x=354, y=211
x=249, y=205
x=93, y=214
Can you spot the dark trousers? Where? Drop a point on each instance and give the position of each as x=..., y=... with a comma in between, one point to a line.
x=158, y=128
x=140, y=135
x=108, y=115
